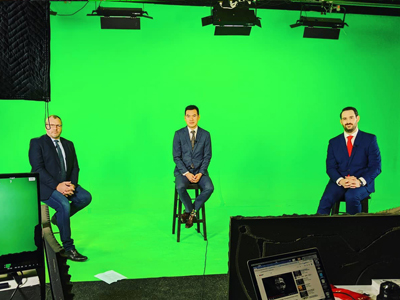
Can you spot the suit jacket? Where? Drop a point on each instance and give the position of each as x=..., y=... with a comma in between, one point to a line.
x=185, y=157
x=365, y=159
x=44, y=160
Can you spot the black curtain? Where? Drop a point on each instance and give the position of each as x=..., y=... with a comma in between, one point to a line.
x=25, y=50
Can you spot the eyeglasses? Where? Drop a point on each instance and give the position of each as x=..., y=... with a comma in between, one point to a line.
x=54, y=125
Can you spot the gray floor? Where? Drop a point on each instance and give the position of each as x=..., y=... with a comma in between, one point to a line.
x=171, y=288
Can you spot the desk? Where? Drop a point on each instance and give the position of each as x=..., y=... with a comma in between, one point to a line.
x=30, y=281
x=30, y=288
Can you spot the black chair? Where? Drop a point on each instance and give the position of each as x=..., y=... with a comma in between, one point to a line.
x=178, y=212
x=364, y=206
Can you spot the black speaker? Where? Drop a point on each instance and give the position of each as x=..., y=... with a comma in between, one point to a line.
x=232, y=30
x=321, y=33
x=119, y=23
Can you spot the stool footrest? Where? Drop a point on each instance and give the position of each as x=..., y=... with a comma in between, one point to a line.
x=201, y=214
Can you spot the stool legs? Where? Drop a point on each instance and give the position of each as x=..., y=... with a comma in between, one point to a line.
x=178, y=237
x=202, y=220
x=198, y=213
x=364, y=206
x=177, y=217
x=174, y=215
x=203, y=210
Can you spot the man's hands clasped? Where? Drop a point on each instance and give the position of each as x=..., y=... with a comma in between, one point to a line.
x=350, y=182
x=193, y=178
x=66, y=188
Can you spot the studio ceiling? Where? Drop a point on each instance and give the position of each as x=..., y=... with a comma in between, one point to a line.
x=366, y=7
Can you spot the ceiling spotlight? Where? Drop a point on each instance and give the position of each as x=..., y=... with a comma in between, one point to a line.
x=321, y=28
x=120, y=18
x=232, y=18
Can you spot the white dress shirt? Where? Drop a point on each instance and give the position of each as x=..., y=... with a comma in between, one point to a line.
x=354, y=134
x=190, y=137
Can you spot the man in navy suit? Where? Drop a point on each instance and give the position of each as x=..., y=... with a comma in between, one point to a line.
x=353, y=163
x=192, y=155
x=55, y=160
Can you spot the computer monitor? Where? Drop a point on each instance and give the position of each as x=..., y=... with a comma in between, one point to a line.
x=21, y=246
x=297, y=275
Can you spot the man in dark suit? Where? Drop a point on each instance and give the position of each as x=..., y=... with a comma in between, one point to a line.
x=353, y=163
x=54, y=158
x=192, y=155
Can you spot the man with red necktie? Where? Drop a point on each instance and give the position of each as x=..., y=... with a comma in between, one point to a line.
x=352, y=164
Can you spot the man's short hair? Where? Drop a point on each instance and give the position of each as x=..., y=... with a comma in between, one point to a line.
x=349, y=108
x=54, y=117
x=191, y=107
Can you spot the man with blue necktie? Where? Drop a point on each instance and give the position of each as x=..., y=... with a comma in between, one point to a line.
x=54, y=158
x=192, y=155
x=353, y=162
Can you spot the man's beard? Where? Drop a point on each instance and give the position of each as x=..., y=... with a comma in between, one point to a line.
x=352, y=128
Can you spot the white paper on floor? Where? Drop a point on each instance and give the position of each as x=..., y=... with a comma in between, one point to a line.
x=110, y=276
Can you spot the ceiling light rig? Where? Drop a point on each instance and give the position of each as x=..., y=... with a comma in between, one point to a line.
x=232, y=18
x=319, y=27
x=120, y=18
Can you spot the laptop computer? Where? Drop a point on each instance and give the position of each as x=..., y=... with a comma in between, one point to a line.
x=297, y=275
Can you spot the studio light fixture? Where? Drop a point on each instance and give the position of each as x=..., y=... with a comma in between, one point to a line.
x=232, y=18
x=120, y=18
x=320, y=27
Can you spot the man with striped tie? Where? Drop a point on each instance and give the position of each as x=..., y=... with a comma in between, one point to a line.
x=192, y=155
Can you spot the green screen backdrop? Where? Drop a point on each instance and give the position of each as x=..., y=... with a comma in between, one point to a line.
x=271, y=102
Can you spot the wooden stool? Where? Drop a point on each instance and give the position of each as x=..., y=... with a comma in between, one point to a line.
x=364, y=206
x=178, y=213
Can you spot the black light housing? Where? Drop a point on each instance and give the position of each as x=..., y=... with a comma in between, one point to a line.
x=321, y=28
x=232, y=18
x=120, y=18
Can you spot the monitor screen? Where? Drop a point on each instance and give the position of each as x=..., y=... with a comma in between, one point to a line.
x=296, y=276
x=21, y=246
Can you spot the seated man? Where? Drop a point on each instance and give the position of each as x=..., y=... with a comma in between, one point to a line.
x=192, y=155
x=353, y=163
x=54, y=158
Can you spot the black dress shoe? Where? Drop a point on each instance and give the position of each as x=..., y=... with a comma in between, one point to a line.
x=74, y=255
x=54, y=220
x=184, y=217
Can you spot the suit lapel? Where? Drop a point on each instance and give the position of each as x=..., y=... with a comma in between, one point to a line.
x=357, y=142
x=50, y=143
x=343, y=145
x=198, y=137
x=186, y=136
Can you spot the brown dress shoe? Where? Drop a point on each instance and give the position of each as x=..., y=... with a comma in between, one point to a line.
x=189, y=223
x=184, y=217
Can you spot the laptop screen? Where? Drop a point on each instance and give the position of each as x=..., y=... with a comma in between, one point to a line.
x=296, y=275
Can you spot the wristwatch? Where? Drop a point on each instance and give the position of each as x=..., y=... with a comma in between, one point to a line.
x=361, y=183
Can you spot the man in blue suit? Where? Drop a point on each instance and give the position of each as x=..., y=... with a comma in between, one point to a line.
x=353, y=163
x=192, y=155
x=54, y=158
